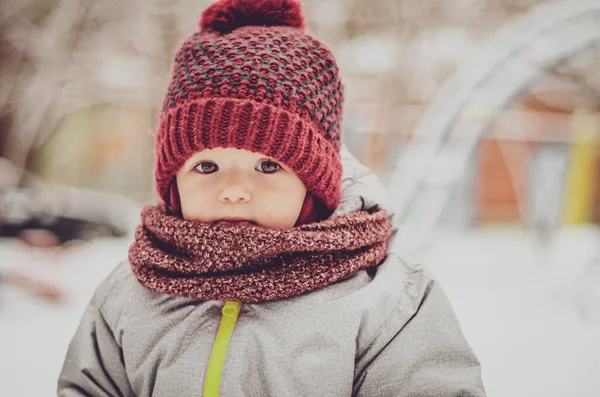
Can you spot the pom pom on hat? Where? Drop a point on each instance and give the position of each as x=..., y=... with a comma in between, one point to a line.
x=225, y=16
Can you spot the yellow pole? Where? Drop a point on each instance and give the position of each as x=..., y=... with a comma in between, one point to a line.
x=581, y=173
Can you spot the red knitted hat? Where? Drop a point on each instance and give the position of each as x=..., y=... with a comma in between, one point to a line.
x=251, y=78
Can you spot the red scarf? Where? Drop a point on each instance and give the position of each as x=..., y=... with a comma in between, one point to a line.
x=203, y=261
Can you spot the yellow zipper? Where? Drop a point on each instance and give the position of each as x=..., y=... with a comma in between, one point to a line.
x=212, y=381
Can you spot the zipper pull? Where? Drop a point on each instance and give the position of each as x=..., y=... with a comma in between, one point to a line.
x=231, y=308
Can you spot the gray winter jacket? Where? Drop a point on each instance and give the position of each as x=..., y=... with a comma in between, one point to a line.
x=390, y=332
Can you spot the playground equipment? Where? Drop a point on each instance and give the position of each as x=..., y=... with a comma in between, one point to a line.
x=500, y=70
x=581, y=182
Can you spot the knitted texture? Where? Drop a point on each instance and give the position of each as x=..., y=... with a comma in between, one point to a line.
x=271, y=89
x=203, y=261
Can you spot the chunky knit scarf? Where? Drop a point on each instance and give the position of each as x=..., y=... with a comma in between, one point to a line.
x=250, y=263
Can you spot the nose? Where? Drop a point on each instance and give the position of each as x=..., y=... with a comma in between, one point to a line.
x=235, y=191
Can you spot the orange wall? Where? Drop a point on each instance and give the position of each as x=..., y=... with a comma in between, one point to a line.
x=500, y=187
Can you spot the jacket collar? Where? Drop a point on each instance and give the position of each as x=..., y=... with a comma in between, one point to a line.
x=362, y=190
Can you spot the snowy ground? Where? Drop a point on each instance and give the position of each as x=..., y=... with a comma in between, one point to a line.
x=531, y=312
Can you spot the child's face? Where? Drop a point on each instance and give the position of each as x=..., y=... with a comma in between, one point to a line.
x=231, y=183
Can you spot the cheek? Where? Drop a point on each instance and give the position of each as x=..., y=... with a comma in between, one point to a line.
x=282, y=202
x=195, y=208
x=195, y=201
x=279, y=214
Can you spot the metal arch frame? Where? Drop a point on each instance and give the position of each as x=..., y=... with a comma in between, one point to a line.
x=506, y=65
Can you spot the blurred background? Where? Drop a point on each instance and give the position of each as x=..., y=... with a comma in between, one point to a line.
x=482, y=117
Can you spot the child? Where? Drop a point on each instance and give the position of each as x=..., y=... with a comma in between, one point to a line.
x=260, y=274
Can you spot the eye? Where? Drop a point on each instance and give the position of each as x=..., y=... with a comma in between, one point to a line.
x=206, y=167
x=268, y=167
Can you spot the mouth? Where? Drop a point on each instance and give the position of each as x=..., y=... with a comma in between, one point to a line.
x=230, y=221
